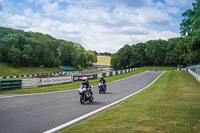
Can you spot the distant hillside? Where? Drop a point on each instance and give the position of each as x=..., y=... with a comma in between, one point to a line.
x=21, y=48
x=103, y=60
x=8, y=70
x=104, y=54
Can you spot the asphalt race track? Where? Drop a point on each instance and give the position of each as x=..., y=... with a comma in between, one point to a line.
x=41, y=112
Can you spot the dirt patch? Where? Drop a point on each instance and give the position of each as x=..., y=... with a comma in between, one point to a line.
x=144, y=119
x=146, y=129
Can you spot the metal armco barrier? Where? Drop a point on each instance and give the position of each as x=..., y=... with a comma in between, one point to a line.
x=33, y=83
x=104, y=74
x=111, y=73
x=94, y=76
x=10, y=84
x=197, y=76
x=29, y=83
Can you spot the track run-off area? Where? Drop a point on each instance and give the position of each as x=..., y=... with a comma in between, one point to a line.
x=51, y=112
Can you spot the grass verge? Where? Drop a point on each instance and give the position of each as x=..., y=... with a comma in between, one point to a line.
x=158, y=68
x=171, y=104
x=68, y=85
x=8, y=70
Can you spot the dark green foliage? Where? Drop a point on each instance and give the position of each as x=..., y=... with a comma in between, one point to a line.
x=153, y=52
x=15, y=56
x=138, y=56
x=90, y=57
x=121, y=59
x=190, y=29
x=172, y=55
x=21, y=48
x=114, y=61
x=125, y=54
x=105, y=54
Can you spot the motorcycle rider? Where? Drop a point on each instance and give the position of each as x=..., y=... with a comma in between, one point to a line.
x=104, y=81
x=86, y=84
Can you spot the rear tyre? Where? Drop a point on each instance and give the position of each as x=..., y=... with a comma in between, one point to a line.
x=100, y=90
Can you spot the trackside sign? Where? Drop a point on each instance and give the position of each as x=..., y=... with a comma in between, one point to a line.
x=79, y=78
x=56, y=80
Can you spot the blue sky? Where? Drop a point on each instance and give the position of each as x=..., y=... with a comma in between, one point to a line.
x=101, y=25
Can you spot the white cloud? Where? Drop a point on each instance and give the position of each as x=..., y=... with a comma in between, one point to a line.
x=96, y=28
x=52, y=9
x=178, y=2
x=42, y=1
x=164, y=35
x=101, y=14
x=14, y=21
x=93, y=36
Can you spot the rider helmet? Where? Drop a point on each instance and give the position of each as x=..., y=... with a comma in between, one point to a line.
x=84, y=79
x=101, y=77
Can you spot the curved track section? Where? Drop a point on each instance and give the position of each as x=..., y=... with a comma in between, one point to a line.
x=41, y=112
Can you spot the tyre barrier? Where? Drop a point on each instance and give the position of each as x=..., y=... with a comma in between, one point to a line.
x=10, y=84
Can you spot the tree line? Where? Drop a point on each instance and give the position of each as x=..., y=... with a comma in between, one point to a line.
x=183, y=50
x=21, y=48
x=105, y=54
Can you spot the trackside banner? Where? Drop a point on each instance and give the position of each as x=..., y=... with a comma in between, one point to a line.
x=55, y=80
x=79, y=78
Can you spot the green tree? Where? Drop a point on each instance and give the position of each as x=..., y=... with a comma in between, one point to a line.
x=121, y=59
x=138, y=56
x=124, y=56
x=171, y=55
x=80, y=60
x=49, y=58
x=27, y=56
x=2, y=51
x=114, y=61
x=67, y=54
x=90, y=57
x=155, y=50
x=190, y=30
x=15, y=56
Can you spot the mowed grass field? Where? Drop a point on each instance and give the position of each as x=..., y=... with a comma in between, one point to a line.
x=171, y=104
x=8, y=70
x=103, y=60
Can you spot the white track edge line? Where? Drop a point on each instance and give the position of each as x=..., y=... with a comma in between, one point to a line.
x=20, y=95
x=98, y=110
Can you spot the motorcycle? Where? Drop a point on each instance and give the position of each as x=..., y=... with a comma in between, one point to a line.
x=85, y=95
x=101, y=87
